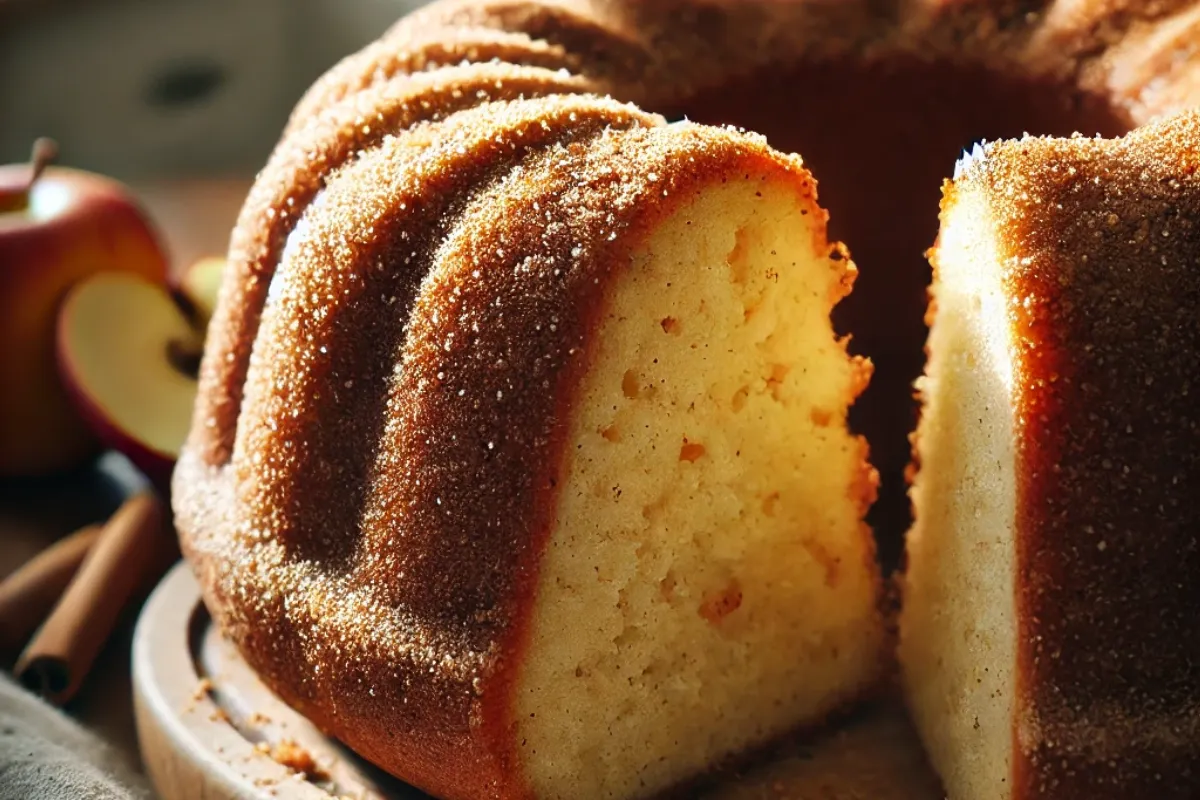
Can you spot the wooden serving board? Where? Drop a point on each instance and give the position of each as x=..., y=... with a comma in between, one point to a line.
x=210, y=730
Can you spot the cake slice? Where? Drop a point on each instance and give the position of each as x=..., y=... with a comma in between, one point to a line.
x=1050, y=634
x=541, y=483
x=708, y=583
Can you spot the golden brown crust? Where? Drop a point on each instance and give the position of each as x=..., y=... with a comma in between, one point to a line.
x=1102, y=240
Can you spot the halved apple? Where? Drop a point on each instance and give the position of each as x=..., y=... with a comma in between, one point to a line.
x=128, y=355
x=197, y=288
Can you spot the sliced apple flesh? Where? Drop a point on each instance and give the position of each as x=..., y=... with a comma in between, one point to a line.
x=127, y=353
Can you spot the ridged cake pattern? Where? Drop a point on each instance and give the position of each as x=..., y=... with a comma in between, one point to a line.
x=296, y=173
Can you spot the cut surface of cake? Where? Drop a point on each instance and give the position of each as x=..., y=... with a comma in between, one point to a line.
x=1050, y=644
x=708, y=547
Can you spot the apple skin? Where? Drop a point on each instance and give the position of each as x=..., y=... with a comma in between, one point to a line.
x=77, y=224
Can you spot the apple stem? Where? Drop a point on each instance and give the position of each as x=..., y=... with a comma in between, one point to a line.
x=15, y=199
x=45, y=150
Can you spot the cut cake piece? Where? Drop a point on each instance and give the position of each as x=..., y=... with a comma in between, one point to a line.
x=1050, y=634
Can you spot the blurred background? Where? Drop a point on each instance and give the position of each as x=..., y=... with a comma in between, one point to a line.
x=153, y=89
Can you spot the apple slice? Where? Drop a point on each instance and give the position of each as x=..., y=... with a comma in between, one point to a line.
x=127, y=355
x=197, y=288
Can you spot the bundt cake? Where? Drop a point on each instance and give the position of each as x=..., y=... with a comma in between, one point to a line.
x=524, y=458
x=1050, y=634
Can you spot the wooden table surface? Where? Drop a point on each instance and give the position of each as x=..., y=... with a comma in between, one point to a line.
x=195, y=217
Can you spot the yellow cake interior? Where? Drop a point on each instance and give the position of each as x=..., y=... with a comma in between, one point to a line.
x=958, y=627
x=708, y=583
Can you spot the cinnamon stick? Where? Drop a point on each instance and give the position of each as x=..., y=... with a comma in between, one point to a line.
x=28, y=594
x=132, y=549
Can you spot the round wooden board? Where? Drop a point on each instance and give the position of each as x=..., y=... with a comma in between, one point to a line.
x=210, y=730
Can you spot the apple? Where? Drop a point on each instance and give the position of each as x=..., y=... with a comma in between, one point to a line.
x=197, y=287
x=128, y=355
x=57, y=226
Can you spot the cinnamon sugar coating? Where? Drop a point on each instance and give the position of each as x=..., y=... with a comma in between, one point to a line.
x=1101, y=240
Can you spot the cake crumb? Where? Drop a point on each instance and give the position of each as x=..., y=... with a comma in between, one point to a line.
x=204, y=688
x=203, y=691
x=298, y=759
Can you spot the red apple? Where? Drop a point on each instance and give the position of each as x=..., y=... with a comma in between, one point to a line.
x=128, y=355
x=56, y=228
